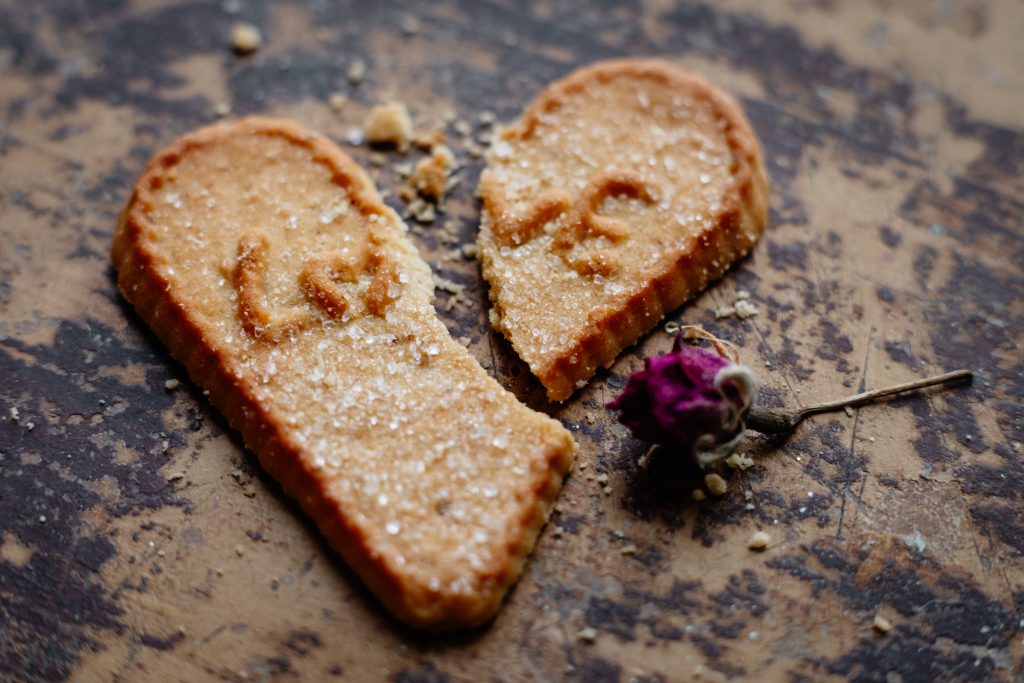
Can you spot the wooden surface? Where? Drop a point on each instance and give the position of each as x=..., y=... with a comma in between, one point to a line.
x=139, y=541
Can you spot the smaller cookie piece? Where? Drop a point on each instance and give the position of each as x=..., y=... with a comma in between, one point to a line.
x=622, y=191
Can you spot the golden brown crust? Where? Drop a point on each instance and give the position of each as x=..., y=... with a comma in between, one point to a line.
x=651, y=285
x=227, y=349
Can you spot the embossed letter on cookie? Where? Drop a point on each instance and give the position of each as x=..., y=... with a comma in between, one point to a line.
x=265, y=260
x=622, y=191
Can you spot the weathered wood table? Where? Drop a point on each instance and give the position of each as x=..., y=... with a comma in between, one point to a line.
x=139, y=541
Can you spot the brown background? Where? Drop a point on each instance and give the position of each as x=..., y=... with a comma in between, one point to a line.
x=894, y=142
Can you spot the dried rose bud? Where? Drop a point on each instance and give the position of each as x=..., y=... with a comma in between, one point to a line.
x=689, y=399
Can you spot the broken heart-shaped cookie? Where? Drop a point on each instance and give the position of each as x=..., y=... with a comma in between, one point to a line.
x=264, y=258
x=623, y=190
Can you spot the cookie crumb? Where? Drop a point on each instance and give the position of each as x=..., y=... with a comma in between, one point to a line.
x=356, y=71
x=881, y=624
x=740, y=461
x=724, y=312
x=744, y=309
x=409, y=24
x=588, y=634
x=848, y=410
x=388, y=124
x=759, y=541
x=628, y=549
x=698, y=494
x=245, y=38
x=431, y=175
x=240, y=549
x=716, y=485
x=337, y=101
x=221, y=109
x=171, y=384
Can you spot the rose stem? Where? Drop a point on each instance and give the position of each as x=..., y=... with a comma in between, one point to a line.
x=776, y=420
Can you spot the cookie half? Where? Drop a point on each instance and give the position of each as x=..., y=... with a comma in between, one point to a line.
x=265, y=260
x=622, y=191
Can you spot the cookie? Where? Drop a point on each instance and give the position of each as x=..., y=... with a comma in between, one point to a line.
x=265, y=260
x=622, y=191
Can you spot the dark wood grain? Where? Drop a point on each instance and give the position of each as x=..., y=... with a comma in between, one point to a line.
x=139, y=541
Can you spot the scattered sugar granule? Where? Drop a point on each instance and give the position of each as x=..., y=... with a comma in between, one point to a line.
x=388, y=123
x=588, y=634
x=881, y=624
x=759, y=540
x=245, y=38
x=171, y=384
x=716, y=485
x=337, y=101
x=356, y=71
x=739, y=461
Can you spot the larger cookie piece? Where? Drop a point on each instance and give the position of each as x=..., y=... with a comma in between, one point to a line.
x=621, y=191
x=265, y=260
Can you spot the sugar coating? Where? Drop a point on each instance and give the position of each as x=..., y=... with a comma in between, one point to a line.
x=443, y=473
x=673, y=144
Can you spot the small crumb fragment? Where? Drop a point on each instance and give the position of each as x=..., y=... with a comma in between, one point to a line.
x=388, y=124
x=171, y=384
x=219, y=571
x=698, y=494
x=602, y=478
x=740, y=461
x=356, y=71
x=486, y=118
x=428, y=139
x=724, y=312
x=431, y=174
x=881, y=624
x=337, y=101
x=745, y=309
x=588, y=634
x=245, y=38
x=671, y=327
x=469, y=250
x=628, y=549
x=462, y=127
x=421, y=211
x=240, y=549
x=175, y=476
x=409, y=24
x=249, y=490
x=743, y=294
x=759, y=541
x=716, y=485
x=848, y=410
x=221, y=109
x=42, y=519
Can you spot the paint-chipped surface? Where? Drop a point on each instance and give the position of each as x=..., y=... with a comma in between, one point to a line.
x=139, y=541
